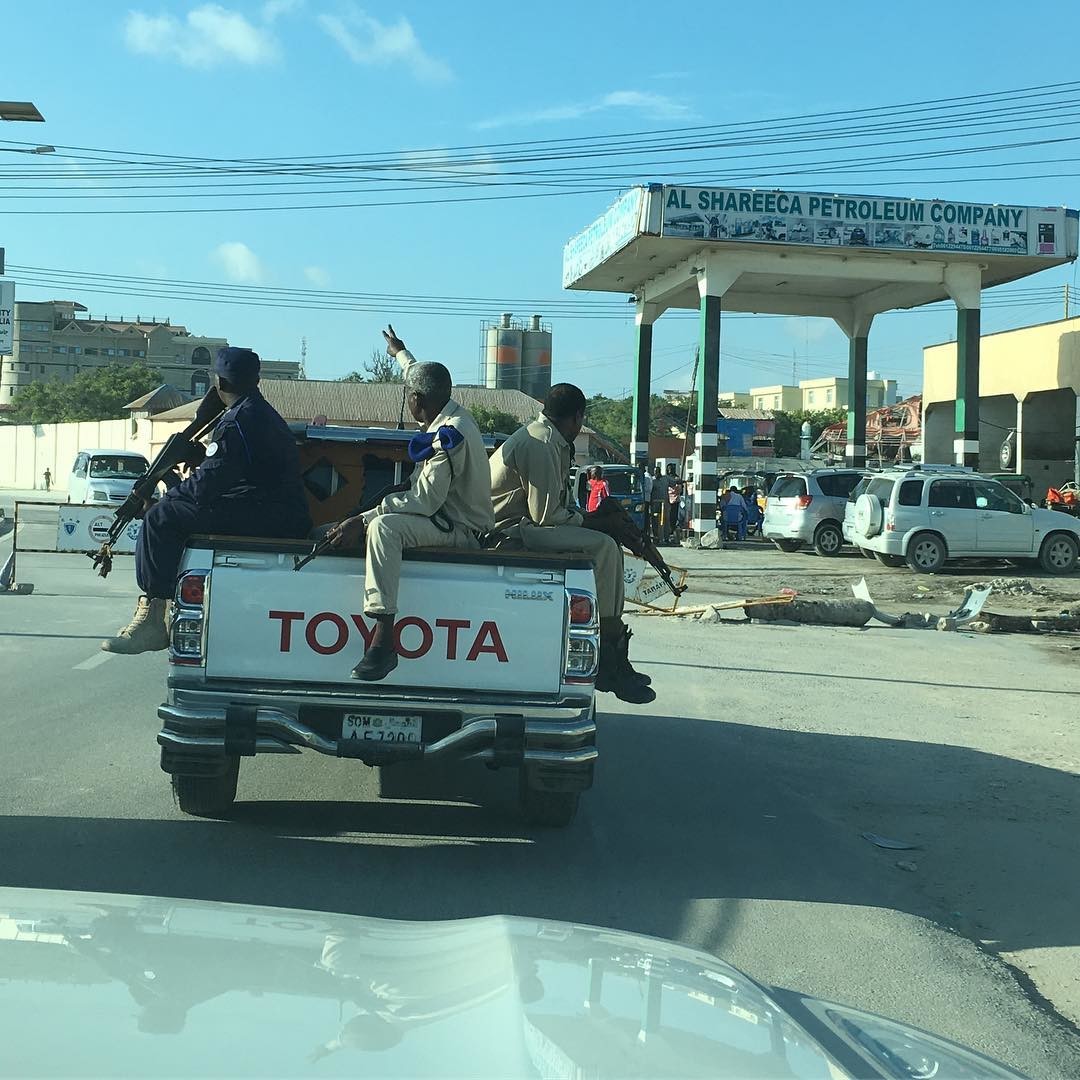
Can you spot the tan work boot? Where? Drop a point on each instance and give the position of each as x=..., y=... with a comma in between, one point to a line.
x=145, y=633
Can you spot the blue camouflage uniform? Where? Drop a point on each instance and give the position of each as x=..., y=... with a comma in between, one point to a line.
x=249, y=485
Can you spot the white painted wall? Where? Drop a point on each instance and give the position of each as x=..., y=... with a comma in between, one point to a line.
x=27, y=450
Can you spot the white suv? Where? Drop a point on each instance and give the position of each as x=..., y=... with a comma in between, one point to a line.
x=926, y=515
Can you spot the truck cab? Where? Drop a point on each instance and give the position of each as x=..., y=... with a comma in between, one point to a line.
x=498, y=652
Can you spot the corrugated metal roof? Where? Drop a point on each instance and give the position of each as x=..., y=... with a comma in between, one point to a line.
x=745, y=414
x=366, y=403
x=160, y=400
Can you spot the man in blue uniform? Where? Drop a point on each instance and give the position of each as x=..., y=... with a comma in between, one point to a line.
x=248, y=485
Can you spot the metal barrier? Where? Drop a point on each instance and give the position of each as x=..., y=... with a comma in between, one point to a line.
x=51, y=528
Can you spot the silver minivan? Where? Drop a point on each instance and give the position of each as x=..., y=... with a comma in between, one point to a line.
x=105, y=475
x=808, y=508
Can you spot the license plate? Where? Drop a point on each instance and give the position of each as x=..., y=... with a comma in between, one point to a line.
x=371, y=727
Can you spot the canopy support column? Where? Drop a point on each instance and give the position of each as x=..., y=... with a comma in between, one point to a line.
x=964, y=285
x=647, y=314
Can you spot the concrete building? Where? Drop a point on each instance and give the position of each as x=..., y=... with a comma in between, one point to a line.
x=54, y=339
x=280, y=369
x=735, y=399
x=1028, y=404
x=832, y=393
x=784, y=398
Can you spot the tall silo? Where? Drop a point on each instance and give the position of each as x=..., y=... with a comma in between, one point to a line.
x=536, y=359
x=502, y=354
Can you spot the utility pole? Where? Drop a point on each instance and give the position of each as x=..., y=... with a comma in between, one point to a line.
x=303, y=359
x=1066, y=301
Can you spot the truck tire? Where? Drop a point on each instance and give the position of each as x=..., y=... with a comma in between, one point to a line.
x=926, y=553
x=788, y=545
x=828, y=539
x=550, y=809
x=208, y=796
x=1058, y=553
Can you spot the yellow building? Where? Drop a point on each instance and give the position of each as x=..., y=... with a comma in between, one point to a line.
x=832, y=393
x=784, y=398
x=1029, y=389
x=735, y=399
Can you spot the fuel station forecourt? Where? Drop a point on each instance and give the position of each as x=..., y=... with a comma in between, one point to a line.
x=844, y=257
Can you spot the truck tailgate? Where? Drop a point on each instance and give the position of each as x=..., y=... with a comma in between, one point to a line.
x=461, y=626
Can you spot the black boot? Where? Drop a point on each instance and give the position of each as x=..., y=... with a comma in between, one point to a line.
x=615, y=675
x=381, y=657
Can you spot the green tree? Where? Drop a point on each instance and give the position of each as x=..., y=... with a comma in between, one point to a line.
x=613, y=417
x=98, y=394
x=380, y=368
x=492, y=421
x=788, y=433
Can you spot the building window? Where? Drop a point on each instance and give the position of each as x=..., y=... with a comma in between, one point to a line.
x=140, y=352
x=60, y=349
x=123, y=352
x=110, y=352
x=75, y=349
x=776, y=402
x=200, y=355
x=91, y=352
x=41, y=369
x=810, y=395
x=41, y=348
x=828, y=397
x=200, y=382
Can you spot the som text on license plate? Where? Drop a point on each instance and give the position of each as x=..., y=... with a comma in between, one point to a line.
x=369, y=727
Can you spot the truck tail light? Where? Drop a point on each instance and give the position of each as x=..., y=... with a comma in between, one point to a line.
x=581, y=609
x=187, y=638
x=803, y=501
x=582, y=638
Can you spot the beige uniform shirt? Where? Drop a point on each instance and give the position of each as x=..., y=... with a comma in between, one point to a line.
x=456, y=481
x=529, y=475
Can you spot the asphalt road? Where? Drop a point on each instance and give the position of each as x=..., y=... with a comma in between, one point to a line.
x=727, y=815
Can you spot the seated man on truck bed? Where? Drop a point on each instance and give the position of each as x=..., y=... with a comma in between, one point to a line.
x=248, y=485
x=529, y=475
x=448, y=503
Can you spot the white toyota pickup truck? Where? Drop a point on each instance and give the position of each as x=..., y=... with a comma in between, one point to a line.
x=498, y=657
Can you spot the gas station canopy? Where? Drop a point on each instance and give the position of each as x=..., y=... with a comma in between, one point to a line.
x=807, y=253
x=844, y=257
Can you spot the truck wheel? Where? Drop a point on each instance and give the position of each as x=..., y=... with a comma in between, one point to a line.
x=828, y=539
x=1058, y=554
x=551, y=809
x=208, y=796
x=788, y=545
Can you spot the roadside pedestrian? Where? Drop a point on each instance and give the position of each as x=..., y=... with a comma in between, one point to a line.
x=674, y=493
x=48, y=479
x=658, y=500
x=599, y=488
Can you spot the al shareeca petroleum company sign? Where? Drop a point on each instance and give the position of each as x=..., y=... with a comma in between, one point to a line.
x=821, y=220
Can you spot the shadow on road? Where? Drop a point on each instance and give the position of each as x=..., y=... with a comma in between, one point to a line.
x=683, y=811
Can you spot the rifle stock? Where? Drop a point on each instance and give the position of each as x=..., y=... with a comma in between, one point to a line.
x=620, y=525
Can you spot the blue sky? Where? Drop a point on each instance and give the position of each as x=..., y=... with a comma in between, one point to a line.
x=300, y=78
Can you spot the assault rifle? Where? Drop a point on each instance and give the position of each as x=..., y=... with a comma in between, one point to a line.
x=321, y=547
x=183, y=447
x=612, y=518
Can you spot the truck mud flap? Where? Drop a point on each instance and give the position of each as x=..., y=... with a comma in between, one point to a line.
x=240, y=730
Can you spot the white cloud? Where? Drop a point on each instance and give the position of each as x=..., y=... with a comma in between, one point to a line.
x=653, y=106
x=208, y=35
x=239, y=262
x=274, y=9
x=372, y=43
x=317, y=276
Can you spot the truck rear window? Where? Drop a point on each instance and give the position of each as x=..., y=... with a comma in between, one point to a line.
x=788, y=487
x=881, y=488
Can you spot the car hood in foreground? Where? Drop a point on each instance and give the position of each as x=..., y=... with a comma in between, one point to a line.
x=102, y=985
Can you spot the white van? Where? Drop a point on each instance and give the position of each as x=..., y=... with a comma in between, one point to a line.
x=105, y=475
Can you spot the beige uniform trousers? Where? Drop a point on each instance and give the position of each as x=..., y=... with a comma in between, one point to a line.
x=598, y=546
x=387, y=536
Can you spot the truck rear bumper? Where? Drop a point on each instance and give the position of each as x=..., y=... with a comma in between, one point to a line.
x=200, y=729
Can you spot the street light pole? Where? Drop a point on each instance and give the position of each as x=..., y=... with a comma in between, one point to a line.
x=20, y=110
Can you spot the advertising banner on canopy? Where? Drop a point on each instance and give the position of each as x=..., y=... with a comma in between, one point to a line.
x=613, y=230
x=7, y=318
x=871, y=221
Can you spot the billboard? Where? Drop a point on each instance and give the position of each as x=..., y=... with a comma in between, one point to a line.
x=871, y=221
x=614, y=229
x=7, y=318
